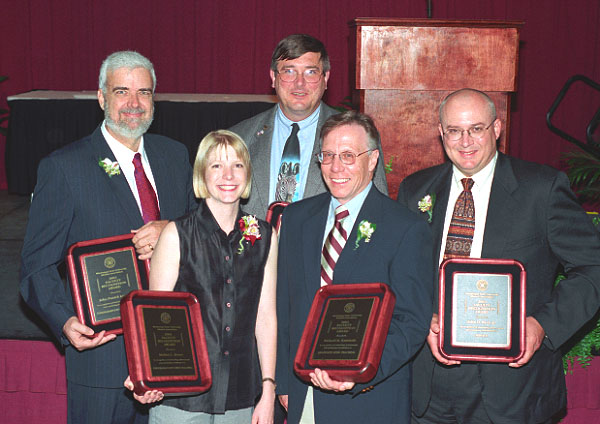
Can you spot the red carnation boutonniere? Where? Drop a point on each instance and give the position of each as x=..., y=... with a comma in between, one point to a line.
x=250, y=231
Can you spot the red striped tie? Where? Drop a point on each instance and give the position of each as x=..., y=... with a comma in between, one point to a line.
x=150, y=211
x=333, y=246
x=462, y=225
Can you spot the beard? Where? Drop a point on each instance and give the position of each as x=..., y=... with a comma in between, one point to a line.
x=122, y=127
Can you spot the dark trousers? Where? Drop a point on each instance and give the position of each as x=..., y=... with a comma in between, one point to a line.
x=99, y=405
x=456, y=398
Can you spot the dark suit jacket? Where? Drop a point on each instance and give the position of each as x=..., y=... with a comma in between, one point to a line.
x=75, y=200
x=399, y=254
x=257, y=132
x=534, y=217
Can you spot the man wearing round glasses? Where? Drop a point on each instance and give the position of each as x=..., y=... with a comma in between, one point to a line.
x=519, y=210
x=283, y=141
x=373, y=239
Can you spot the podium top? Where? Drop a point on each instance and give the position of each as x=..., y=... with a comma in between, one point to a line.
x=435, y=23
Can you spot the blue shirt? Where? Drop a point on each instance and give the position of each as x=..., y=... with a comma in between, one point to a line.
x=282, y=129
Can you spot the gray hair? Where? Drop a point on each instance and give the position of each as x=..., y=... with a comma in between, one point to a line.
x=352, y=117
x=124, y=59
x=469, y=91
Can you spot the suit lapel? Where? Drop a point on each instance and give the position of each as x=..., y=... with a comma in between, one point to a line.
x=441, y=188
x=312, y=234
x=314, y=186
x=118, y=184
x=351, y=256
x=260, y=154
x=502, y=208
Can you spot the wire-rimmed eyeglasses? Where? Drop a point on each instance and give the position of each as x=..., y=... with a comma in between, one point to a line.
x=347, y=158
x=311, y=75
x=476, y=132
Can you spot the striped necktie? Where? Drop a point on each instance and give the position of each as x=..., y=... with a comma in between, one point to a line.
x=462, y=225
x=333, y=246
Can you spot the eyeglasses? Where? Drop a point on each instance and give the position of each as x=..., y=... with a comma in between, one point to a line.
x=347, y=158
x=309, y=75
x=476, y=132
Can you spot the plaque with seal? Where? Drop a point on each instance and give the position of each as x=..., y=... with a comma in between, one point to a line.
x=101, y=272
x=346, y=331
x=165, y=342
x=482, y=309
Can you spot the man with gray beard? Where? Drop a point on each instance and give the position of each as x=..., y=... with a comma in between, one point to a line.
x=116, y=181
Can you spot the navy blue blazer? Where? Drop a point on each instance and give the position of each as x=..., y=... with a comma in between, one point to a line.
x=76, y=200
x=399, y=254
x=533, y=216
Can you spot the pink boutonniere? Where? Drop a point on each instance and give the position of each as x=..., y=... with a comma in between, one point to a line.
x=250, y=231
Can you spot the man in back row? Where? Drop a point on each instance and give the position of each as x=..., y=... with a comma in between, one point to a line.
x=505, y=208
x=284, y=140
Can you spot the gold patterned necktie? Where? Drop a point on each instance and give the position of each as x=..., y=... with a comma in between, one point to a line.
x=462, y=225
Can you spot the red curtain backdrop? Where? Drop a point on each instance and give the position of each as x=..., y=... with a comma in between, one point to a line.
x=205, y=46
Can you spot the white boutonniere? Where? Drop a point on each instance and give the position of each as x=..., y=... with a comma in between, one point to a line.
x=365, y=231
x=110, y=167
x=250, y=231
x=426, y=205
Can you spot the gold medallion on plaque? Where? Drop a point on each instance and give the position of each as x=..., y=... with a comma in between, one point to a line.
x=165, y=318
x=482, y=285
x=109, y=262
x=349, y=307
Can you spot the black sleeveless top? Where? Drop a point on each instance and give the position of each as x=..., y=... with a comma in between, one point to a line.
x=227, y=284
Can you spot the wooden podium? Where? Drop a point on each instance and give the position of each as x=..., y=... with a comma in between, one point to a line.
x=405, y=68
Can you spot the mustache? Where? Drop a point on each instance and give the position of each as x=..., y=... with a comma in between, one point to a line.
x=133, y=110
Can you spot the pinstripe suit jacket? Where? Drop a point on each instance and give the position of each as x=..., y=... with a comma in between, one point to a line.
x=75, y=200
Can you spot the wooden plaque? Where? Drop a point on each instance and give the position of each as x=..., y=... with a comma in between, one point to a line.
x=482, y=309
x=165, y=342
x=346, y=331
x=101, y=272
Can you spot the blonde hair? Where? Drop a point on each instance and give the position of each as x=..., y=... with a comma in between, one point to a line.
x=212, y=141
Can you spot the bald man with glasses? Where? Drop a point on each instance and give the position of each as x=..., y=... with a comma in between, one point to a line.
x=523, y=211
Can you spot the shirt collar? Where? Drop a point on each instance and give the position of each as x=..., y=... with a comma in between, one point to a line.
x=121, y=152
x=306, y=122
x=355, y=204
x=480, y=178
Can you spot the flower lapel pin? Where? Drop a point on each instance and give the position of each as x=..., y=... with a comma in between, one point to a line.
x=250, y=231
x=426, y=205
x=365, y=231
x=110, y=167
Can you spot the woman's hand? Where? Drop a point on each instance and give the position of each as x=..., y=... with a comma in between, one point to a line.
x=263, y=413
x=150, y=396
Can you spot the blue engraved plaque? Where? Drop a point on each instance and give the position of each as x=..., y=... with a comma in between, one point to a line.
x=481, y=310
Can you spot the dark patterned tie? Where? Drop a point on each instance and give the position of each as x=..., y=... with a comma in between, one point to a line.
x=333, y=246
x=289, y=169
x=150, y=211
x=462, y=225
